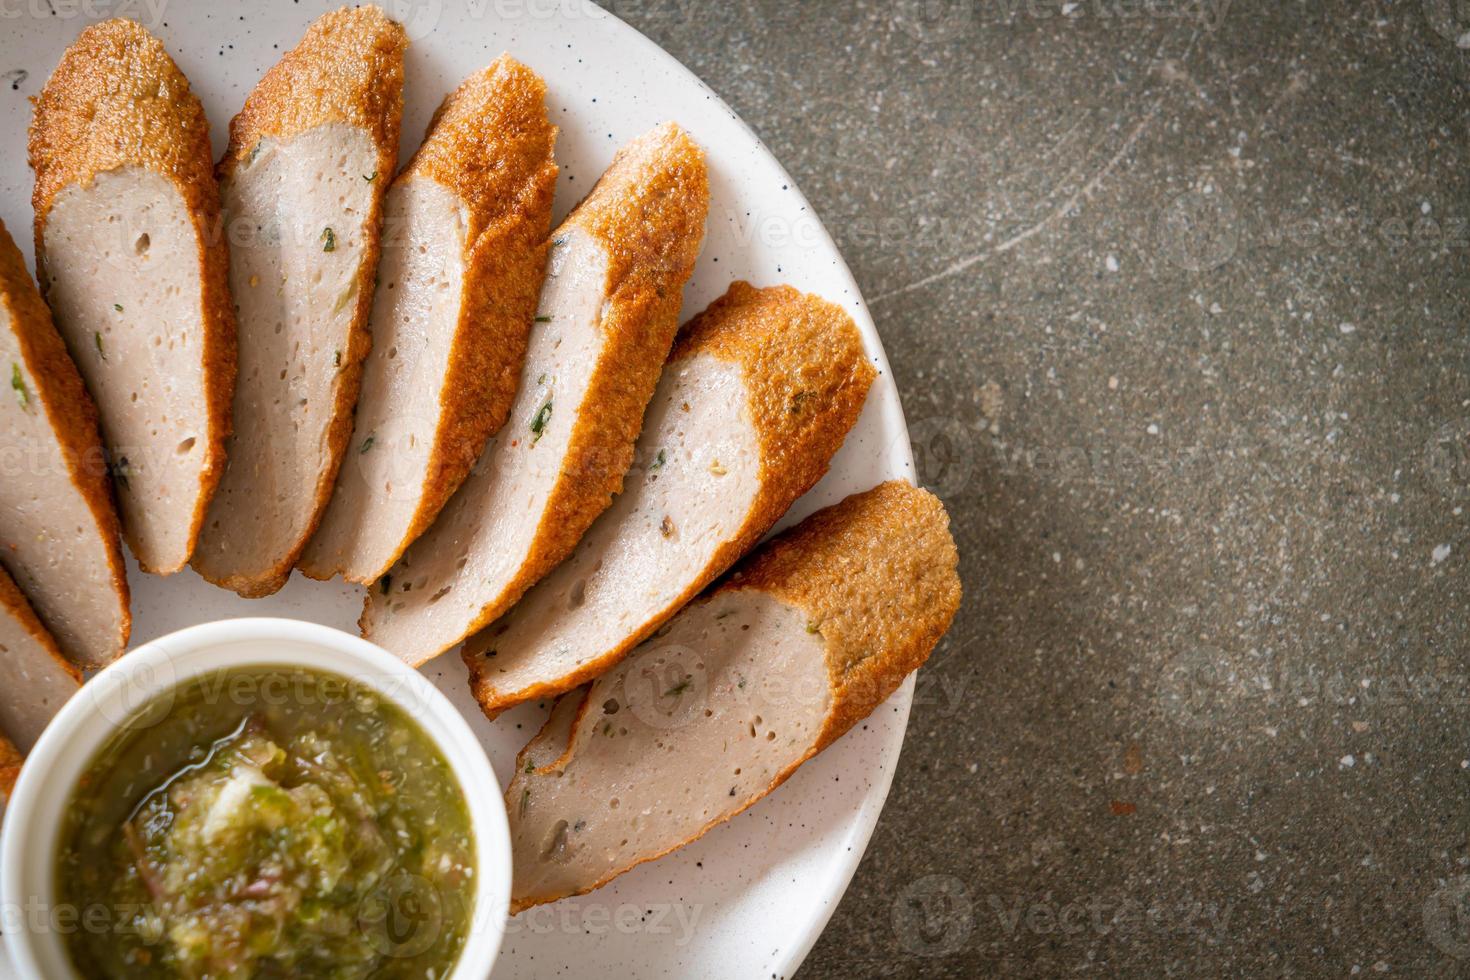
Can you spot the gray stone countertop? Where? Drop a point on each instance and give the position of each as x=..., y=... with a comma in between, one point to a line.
x=1175, y=294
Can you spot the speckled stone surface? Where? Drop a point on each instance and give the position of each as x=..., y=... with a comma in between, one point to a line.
x=1175, y=293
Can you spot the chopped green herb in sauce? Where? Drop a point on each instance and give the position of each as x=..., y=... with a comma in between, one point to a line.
x=329, y=240
x=543, y=319
x=658, y=462
x=367, y=444
x=274, y=822
x=677, y=689
x=121, y=470
x=371, y=177
x=117, y=306
x=97, y=339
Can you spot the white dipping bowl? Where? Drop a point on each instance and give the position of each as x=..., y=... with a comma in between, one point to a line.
x=33, y=922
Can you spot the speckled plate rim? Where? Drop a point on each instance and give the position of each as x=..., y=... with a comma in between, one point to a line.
x=815, y=871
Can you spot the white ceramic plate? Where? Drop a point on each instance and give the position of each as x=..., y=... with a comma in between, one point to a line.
x=750, y=898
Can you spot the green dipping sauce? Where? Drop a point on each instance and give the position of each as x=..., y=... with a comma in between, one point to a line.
x=268, y=822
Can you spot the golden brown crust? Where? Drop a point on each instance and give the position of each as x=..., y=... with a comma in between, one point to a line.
x=492, y=144
x=648, y=211
x=347, y=69
x=877, y=574
x=807, y=376
x=879, y=608
x=10, y=760
x=117, y=99
x=70, y=411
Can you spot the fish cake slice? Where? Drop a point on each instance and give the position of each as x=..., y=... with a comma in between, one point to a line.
x=807, y=637
x=302, y=182
x=132, y=260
